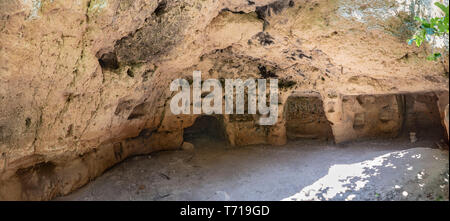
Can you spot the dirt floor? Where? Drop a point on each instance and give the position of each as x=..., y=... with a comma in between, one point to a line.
x=302, y=170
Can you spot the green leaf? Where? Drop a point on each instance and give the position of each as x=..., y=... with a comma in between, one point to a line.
x=442, y=28
x=444, y=8
x=419, y=42
x=434, y=56
x=437, y=26
x=431, y=58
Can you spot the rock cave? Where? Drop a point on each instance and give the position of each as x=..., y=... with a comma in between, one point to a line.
x=85, y=101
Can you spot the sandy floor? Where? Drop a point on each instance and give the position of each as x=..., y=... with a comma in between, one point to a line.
x=301, y=170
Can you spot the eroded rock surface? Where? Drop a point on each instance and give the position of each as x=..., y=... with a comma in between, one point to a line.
x=85, y=84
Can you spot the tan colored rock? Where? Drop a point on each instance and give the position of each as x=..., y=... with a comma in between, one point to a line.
x=187, y=146
x=85, y=84
x=305, y=117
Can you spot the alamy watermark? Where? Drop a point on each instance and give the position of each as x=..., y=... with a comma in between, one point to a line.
x=212, y=103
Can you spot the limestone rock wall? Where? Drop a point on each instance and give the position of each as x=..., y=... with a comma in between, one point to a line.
x=85, y=84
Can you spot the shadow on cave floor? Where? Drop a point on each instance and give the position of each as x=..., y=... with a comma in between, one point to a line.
x=301, y=170
x=206, y=132
x=208, y=142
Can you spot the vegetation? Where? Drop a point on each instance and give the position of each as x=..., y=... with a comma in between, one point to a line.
x=428, y=29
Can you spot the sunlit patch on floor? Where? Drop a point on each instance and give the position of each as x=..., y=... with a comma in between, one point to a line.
x=363, y=180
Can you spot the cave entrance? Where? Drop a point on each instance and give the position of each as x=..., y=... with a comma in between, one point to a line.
x=206, y=131
x=305, y=118
x=422, y=116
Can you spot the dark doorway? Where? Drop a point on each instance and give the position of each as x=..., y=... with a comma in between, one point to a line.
x=422, y=116
x=206, y=129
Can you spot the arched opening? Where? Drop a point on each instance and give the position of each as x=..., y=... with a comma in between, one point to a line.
x=205, y=131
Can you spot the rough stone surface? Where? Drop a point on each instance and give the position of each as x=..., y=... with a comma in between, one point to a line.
x=312, y=170
x=187, y=146
x=85, y=84
x=446, y=117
